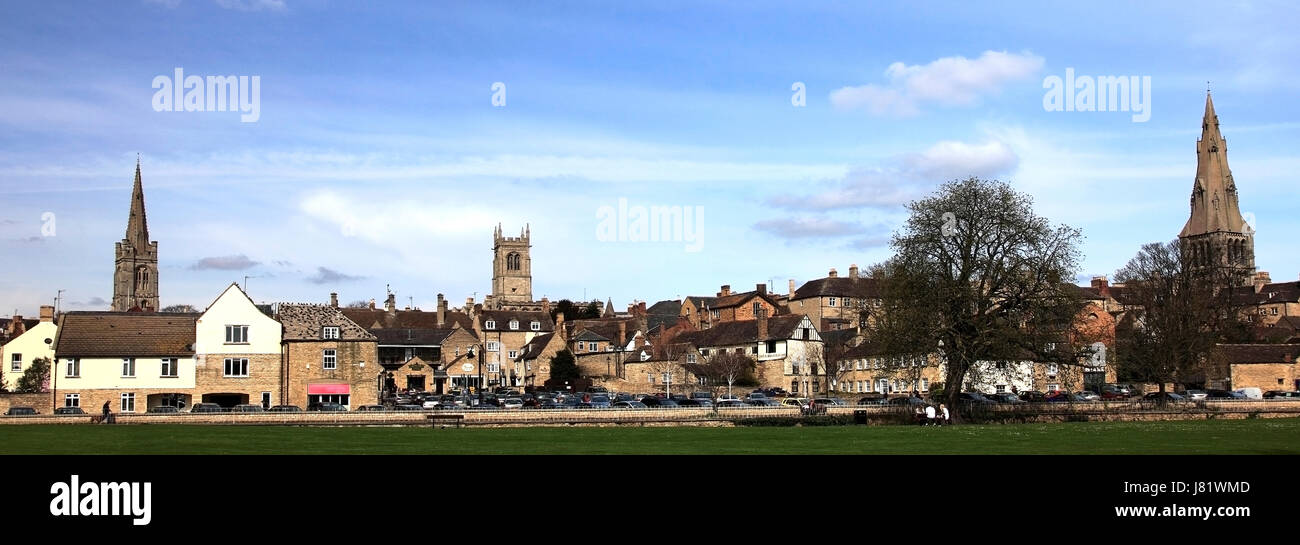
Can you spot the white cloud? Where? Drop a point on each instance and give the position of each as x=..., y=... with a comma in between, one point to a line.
x=949, y=81
x=808, y=227
x=906, y=177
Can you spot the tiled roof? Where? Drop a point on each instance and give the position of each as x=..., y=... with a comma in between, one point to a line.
x=1258, y=353
x=737, y=299
x=668, y=308
x=589, y=335
x=535, y=347
x=414, y=319
x=868, y=288
x=125, y=334
x=742, y=331
x=411, y=337
x=303, y=322
x=702, y=301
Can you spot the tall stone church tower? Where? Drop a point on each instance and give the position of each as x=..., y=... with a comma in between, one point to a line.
x=512, y=268
x=135, y=278
x=1216, y=235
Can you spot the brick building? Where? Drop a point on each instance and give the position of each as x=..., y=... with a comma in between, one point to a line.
x=327, y=357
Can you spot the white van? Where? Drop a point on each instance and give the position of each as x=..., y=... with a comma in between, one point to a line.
x=1251, y=393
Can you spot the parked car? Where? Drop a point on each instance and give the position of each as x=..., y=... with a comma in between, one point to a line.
x=254, y=408
x=513, y=403
x=688, y=402
x=1281, y=394
x=1005, y=398
x=1250, y=393
x=659, y=402
x=207, y=408
x=161, y=410
x=371, y=408
x=285, y=409
x=873, y=399
x=1089, y=395
x=702, y=395
x=731, y=403
x=907, y=401
x=763, y=402
x=830, y=401
x=795, y=401
x=1194, y=395
x=1062, y=396
x=1032, y=397
x=756, y=395
x=974, y=398
x=69, y=410
x=326, y=407
x=1168, y=396
x=20, y=411
x=1223, y=395
x=408, y=407
x=629, y=405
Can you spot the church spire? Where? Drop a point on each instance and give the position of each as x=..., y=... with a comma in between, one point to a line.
x=137, y=227
x=1214, y=194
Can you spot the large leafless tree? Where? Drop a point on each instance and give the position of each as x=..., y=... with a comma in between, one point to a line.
x=977, y=277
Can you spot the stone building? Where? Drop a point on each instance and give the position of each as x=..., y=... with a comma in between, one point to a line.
x=1216, y=235
x=1263, y=366
x=27, y=345
x=512, y=273
x=135, y=275
x=835, y=302
x=327, y=357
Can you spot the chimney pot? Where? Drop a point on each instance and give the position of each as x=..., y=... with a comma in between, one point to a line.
x=853, y=270
x=792, y=288
x=334, y=299
x=47, y=313
x=761, y=288
x=726, y=290
x=833, y=274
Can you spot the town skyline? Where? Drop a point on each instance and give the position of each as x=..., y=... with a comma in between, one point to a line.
x=346, y=187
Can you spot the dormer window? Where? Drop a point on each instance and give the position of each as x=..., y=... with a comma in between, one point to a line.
x=330, y=332
x=514, y=325
x=490, y=324
x=536, y=325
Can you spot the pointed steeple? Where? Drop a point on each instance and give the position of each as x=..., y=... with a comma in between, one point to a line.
x=137, y=227
x=1214, y=194
x=609, y=308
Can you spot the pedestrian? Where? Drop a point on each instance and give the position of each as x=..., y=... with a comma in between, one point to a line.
x=943, y=410
x=107, y=412
x=929, y=415
x=920, y=416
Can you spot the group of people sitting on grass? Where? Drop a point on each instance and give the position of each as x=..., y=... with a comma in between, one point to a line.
x=929, y=416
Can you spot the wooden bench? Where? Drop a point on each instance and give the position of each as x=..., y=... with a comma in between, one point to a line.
x=433, y=419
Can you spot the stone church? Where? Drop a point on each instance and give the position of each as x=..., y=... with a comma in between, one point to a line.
x=135, y=276
x=1216, y=235
x=512, y=273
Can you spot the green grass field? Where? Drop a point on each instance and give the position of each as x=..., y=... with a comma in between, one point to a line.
x=1271, y=436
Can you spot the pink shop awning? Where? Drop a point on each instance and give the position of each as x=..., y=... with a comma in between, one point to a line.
x=326, y=389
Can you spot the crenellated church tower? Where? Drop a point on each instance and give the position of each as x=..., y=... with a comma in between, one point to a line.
x=512, y=269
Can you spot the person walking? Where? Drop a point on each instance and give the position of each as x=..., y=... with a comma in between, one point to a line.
x=107, y=412
x=943, y=410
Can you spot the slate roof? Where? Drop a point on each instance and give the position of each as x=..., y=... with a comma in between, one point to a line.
x=742, y=331
x=525, y=317
x=737, y=299
x=535, y=347
x=303, y=322
x=411, y=337
x=667, y=308
x=414, y=319
x=868, y=288
x=125, y=334
x=589, y=335
x=1258, y=353
x=702, y=301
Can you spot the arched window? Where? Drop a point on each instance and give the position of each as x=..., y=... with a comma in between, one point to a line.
x=512, y=262
x=141, y=278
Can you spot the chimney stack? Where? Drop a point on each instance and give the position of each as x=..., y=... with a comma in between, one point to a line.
x=853, y=270
x=334, y=299
x=442, y=310
x=16, y=326
x=372, y=303
x=47, y=313
x=791, y=289
x=1261, y=279
x=833, y=274
x=559, y=327
x=1101, y=284
x=390, y=304
x=762, y=324
x=641, y=307
x=622, y=334
x=726, y=290
x=546, y=305
x=761, y=289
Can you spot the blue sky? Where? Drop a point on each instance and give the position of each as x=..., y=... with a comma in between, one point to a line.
x=379, y=157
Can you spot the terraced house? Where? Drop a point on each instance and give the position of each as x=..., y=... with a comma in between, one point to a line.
x=327, y=357
x=28, y=345
x=237, y=352
x=132, y=360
